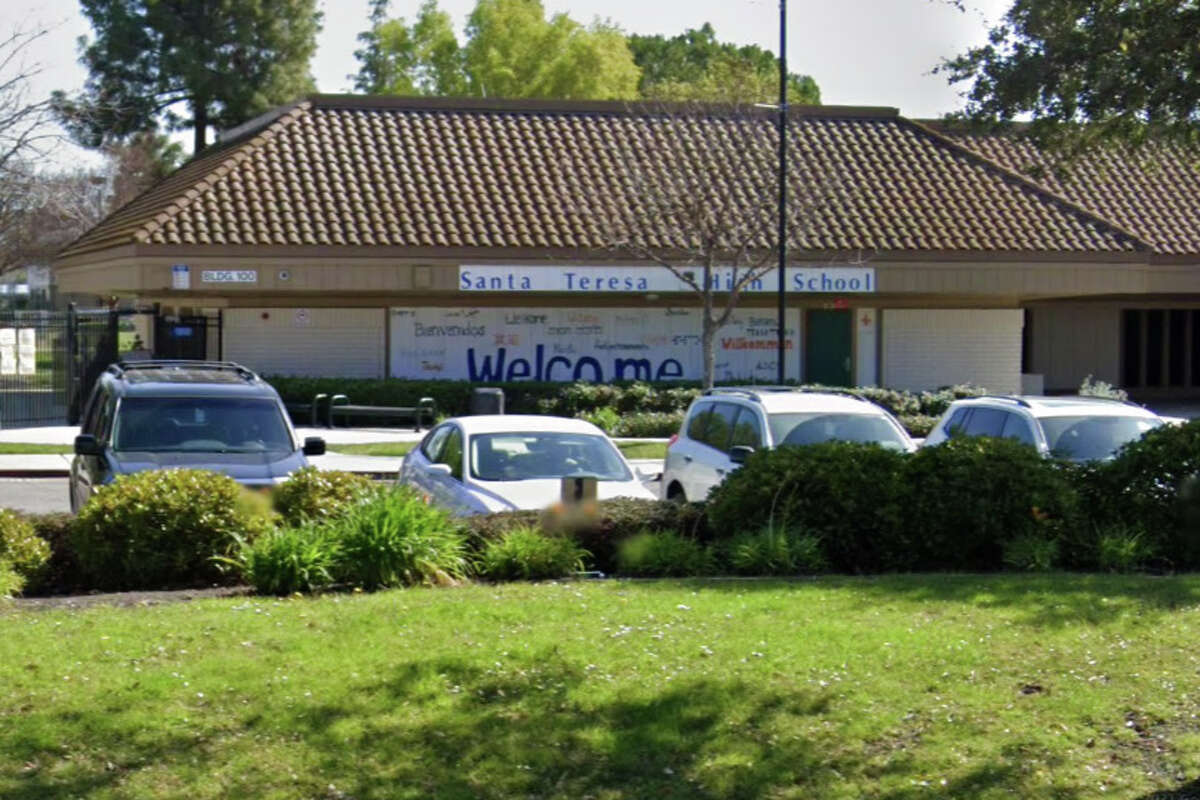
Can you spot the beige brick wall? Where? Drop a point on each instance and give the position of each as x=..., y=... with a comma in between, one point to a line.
x=341, y=342
x=927, y=348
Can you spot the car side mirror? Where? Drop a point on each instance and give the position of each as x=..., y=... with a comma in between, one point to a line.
x=440, y=469
x=86, y=445
x=314, y=446
x=739, y=453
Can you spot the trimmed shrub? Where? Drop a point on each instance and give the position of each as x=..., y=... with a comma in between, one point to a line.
x=663, y=554
x=396, y=538
x=525, y=553
x=598, y=532
x=967, y=498
x=606, y=419
x=774, y=550
x=1031, y=553
x=311, y=493
x=918, y=425
x=847, y=494
x=11, y=582
x=649, y=424
x=20, y=546
x=1152, y=485
x=61, y=573
x=1121, y=548
x=284, y=560
x=161, y=528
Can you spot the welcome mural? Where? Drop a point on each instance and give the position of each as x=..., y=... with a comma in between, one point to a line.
x=589, y=344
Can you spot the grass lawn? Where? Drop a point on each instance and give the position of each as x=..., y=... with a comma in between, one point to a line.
x=630, y=449
x=1063, y=686
x=18, y=448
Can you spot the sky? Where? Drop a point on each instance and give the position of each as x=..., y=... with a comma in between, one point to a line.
x=861, y=52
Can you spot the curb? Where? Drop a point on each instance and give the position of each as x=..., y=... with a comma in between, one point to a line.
x=35, y=473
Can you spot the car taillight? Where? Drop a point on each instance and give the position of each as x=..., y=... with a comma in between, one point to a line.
x=674, y=438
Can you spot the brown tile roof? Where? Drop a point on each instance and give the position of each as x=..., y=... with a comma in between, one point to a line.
x=498, y=175
x=1154, y=195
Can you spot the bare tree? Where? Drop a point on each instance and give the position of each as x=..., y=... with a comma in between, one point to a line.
x=25, y=128
x=699, y=196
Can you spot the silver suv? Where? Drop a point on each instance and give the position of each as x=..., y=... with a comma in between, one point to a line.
x=213, y=415
x=725, y=425
x=1071, y=428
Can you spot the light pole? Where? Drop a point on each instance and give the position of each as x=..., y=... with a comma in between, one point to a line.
x=783, y=126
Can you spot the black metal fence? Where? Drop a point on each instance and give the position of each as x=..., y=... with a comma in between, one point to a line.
x=49, y=360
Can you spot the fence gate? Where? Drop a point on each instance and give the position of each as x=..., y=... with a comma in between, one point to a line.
x=49, y=360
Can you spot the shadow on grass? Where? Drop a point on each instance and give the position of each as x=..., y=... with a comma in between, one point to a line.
x=1052, y=599
x=1188, y=791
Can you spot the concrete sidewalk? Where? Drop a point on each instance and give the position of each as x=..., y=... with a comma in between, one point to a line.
x=56, y=465
x=59, y=465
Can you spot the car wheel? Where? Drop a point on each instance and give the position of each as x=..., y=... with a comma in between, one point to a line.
x=675, y=494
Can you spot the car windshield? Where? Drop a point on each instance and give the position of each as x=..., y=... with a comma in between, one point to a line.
x=531, y=456
x=816, y=427
x=1090, y=438
x=201, y=424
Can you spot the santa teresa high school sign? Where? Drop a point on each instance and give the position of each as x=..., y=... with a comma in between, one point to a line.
x=598, y=280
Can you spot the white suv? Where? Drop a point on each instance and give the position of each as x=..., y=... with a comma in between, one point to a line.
x=725, y=425
x=1072, y=428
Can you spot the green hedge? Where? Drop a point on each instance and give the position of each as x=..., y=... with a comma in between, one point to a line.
x=659, y=402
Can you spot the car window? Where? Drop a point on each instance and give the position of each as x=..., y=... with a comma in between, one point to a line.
x=432, y=443
x=985, y=422
x=816, y=427
x=531, y=455
x=956, y=425
x=747, y=430
x=695, y=428
x=1015, y=427
x=452, y=452
x=91, y=414
x=1088, y=438
x=104, y=418
x=719, y=426
x=200, y=424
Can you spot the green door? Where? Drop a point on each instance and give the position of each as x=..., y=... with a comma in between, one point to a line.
x=829, y=347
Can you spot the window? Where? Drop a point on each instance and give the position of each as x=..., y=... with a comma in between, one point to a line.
x=104, y=419
x=695, y=428
x=1095, y=437
x=719, y=426
x=986, y=422
x=433, y=442
x=452, y=453
x=200, y=424
x=814, y=428
x=534, y=455
x=1015, y=427
x=747, y=430
x=957, y=424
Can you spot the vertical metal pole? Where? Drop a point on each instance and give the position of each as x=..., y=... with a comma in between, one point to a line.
x=72, y=392
x=783, y=125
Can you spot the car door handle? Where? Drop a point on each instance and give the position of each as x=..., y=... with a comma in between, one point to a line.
x=720, y=471
x=687, y=459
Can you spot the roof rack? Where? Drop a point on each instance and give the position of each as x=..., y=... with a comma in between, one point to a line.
x=121, y=367
x=753, y=392
x=1021, y=401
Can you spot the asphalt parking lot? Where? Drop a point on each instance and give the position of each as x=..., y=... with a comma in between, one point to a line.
x=35, y=495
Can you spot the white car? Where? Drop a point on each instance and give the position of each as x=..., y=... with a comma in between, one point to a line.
x=488, y=463
x=726, y=424
x=1067, y=427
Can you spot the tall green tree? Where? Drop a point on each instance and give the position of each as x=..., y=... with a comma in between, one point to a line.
x=1089, y=72
x=695, y=66
x=419, y=59
x=511, y=49
x=223, y=61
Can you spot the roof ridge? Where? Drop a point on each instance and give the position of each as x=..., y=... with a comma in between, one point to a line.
x=631, y=107
x=1028, y=182
x=240, y=151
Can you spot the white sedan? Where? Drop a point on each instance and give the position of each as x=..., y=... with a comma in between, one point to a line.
x=488, y=463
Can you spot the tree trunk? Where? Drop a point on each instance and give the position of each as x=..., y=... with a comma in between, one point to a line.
x=199, y=125
x=708, y=338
